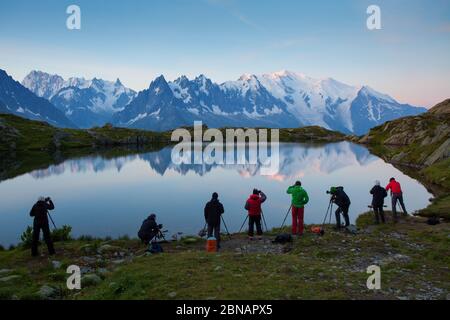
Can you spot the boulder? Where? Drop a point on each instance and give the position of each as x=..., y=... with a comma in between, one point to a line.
x=9, y=278
x=47, y=292
x=56, y=264
x=87, y=249
x=107, y=248
x=90, y=280
x=5, y=271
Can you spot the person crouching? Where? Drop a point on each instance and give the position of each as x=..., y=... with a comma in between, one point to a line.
x=149, y=229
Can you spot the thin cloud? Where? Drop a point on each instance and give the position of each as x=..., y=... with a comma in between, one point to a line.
x=230, y=6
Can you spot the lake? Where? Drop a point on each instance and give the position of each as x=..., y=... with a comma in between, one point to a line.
x=101, y=196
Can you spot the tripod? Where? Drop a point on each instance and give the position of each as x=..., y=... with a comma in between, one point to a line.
x=264, y=221
x=246, y=218
x=226, y=228
x=159, y=235
x=51, y=219
x=329, y=212
x=287, y=213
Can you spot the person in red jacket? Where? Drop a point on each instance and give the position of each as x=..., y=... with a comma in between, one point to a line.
x=397, y=195
x=253, y=206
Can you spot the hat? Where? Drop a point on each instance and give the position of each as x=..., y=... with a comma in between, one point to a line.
x=215, y=195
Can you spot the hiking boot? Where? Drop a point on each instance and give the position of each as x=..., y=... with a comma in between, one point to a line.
x=251, y=238
x=260, y=238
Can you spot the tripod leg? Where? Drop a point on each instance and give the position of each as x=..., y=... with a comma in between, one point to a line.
x=243, y=224
x=226, y=228
x=264, y=220
x=328, y=212
x=287, y=213
x=331, y=212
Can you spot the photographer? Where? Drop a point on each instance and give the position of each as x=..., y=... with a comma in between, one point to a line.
x=149, y=229
x=213, y=212
x=341, y=199
x=253, y=206
x=378, y=194
x=39, y=212
x=299, y=200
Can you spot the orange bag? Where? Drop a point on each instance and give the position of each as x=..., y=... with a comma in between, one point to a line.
x=211, y=245
x=317, y=230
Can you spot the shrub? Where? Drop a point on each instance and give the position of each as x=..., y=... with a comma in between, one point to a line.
x=27, y=237
x=62, y=234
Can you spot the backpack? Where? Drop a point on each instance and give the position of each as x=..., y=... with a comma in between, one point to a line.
x=155, y=247
x=351, y=229
x=283, y=238
x=433, y=221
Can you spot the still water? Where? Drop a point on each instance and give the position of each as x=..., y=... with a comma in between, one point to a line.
x=110, y=197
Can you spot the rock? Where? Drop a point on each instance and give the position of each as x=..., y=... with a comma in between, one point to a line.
x=9, y=278
x=56, y=264
x=172, y=294
x=120, y=261
x=89, y=260
x=85, y=270
x=102, y=270
x=90, y=280
x=4, y=271
x=47, y=292
x=107, y=248
x=218, y=268
x=87, y=249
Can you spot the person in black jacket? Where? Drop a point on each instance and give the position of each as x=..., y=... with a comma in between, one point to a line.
x=213, y=213
x=378, y=193
x=341, y=199
x=39, y=212
x=149, y=229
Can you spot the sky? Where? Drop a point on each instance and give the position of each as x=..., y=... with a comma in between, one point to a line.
x=137, y=40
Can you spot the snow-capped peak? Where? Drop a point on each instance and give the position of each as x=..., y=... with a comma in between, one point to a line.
x=76, y=94
x=368, y=91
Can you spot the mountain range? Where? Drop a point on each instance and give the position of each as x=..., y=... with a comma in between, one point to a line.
x=294, y=159
x=279, y=100
x=18, y=100
x=87, y=103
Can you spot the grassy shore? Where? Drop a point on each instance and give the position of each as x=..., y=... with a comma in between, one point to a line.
x=413, y=257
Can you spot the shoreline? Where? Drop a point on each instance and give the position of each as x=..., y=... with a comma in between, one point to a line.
x=313, y=267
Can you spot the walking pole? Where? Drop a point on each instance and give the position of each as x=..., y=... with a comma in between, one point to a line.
x=287, y=213
x=264, y=220
x=225, y=225
x=243, y=224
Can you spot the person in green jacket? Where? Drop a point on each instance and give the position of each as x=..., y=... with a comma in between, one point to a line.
x=299, y=199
